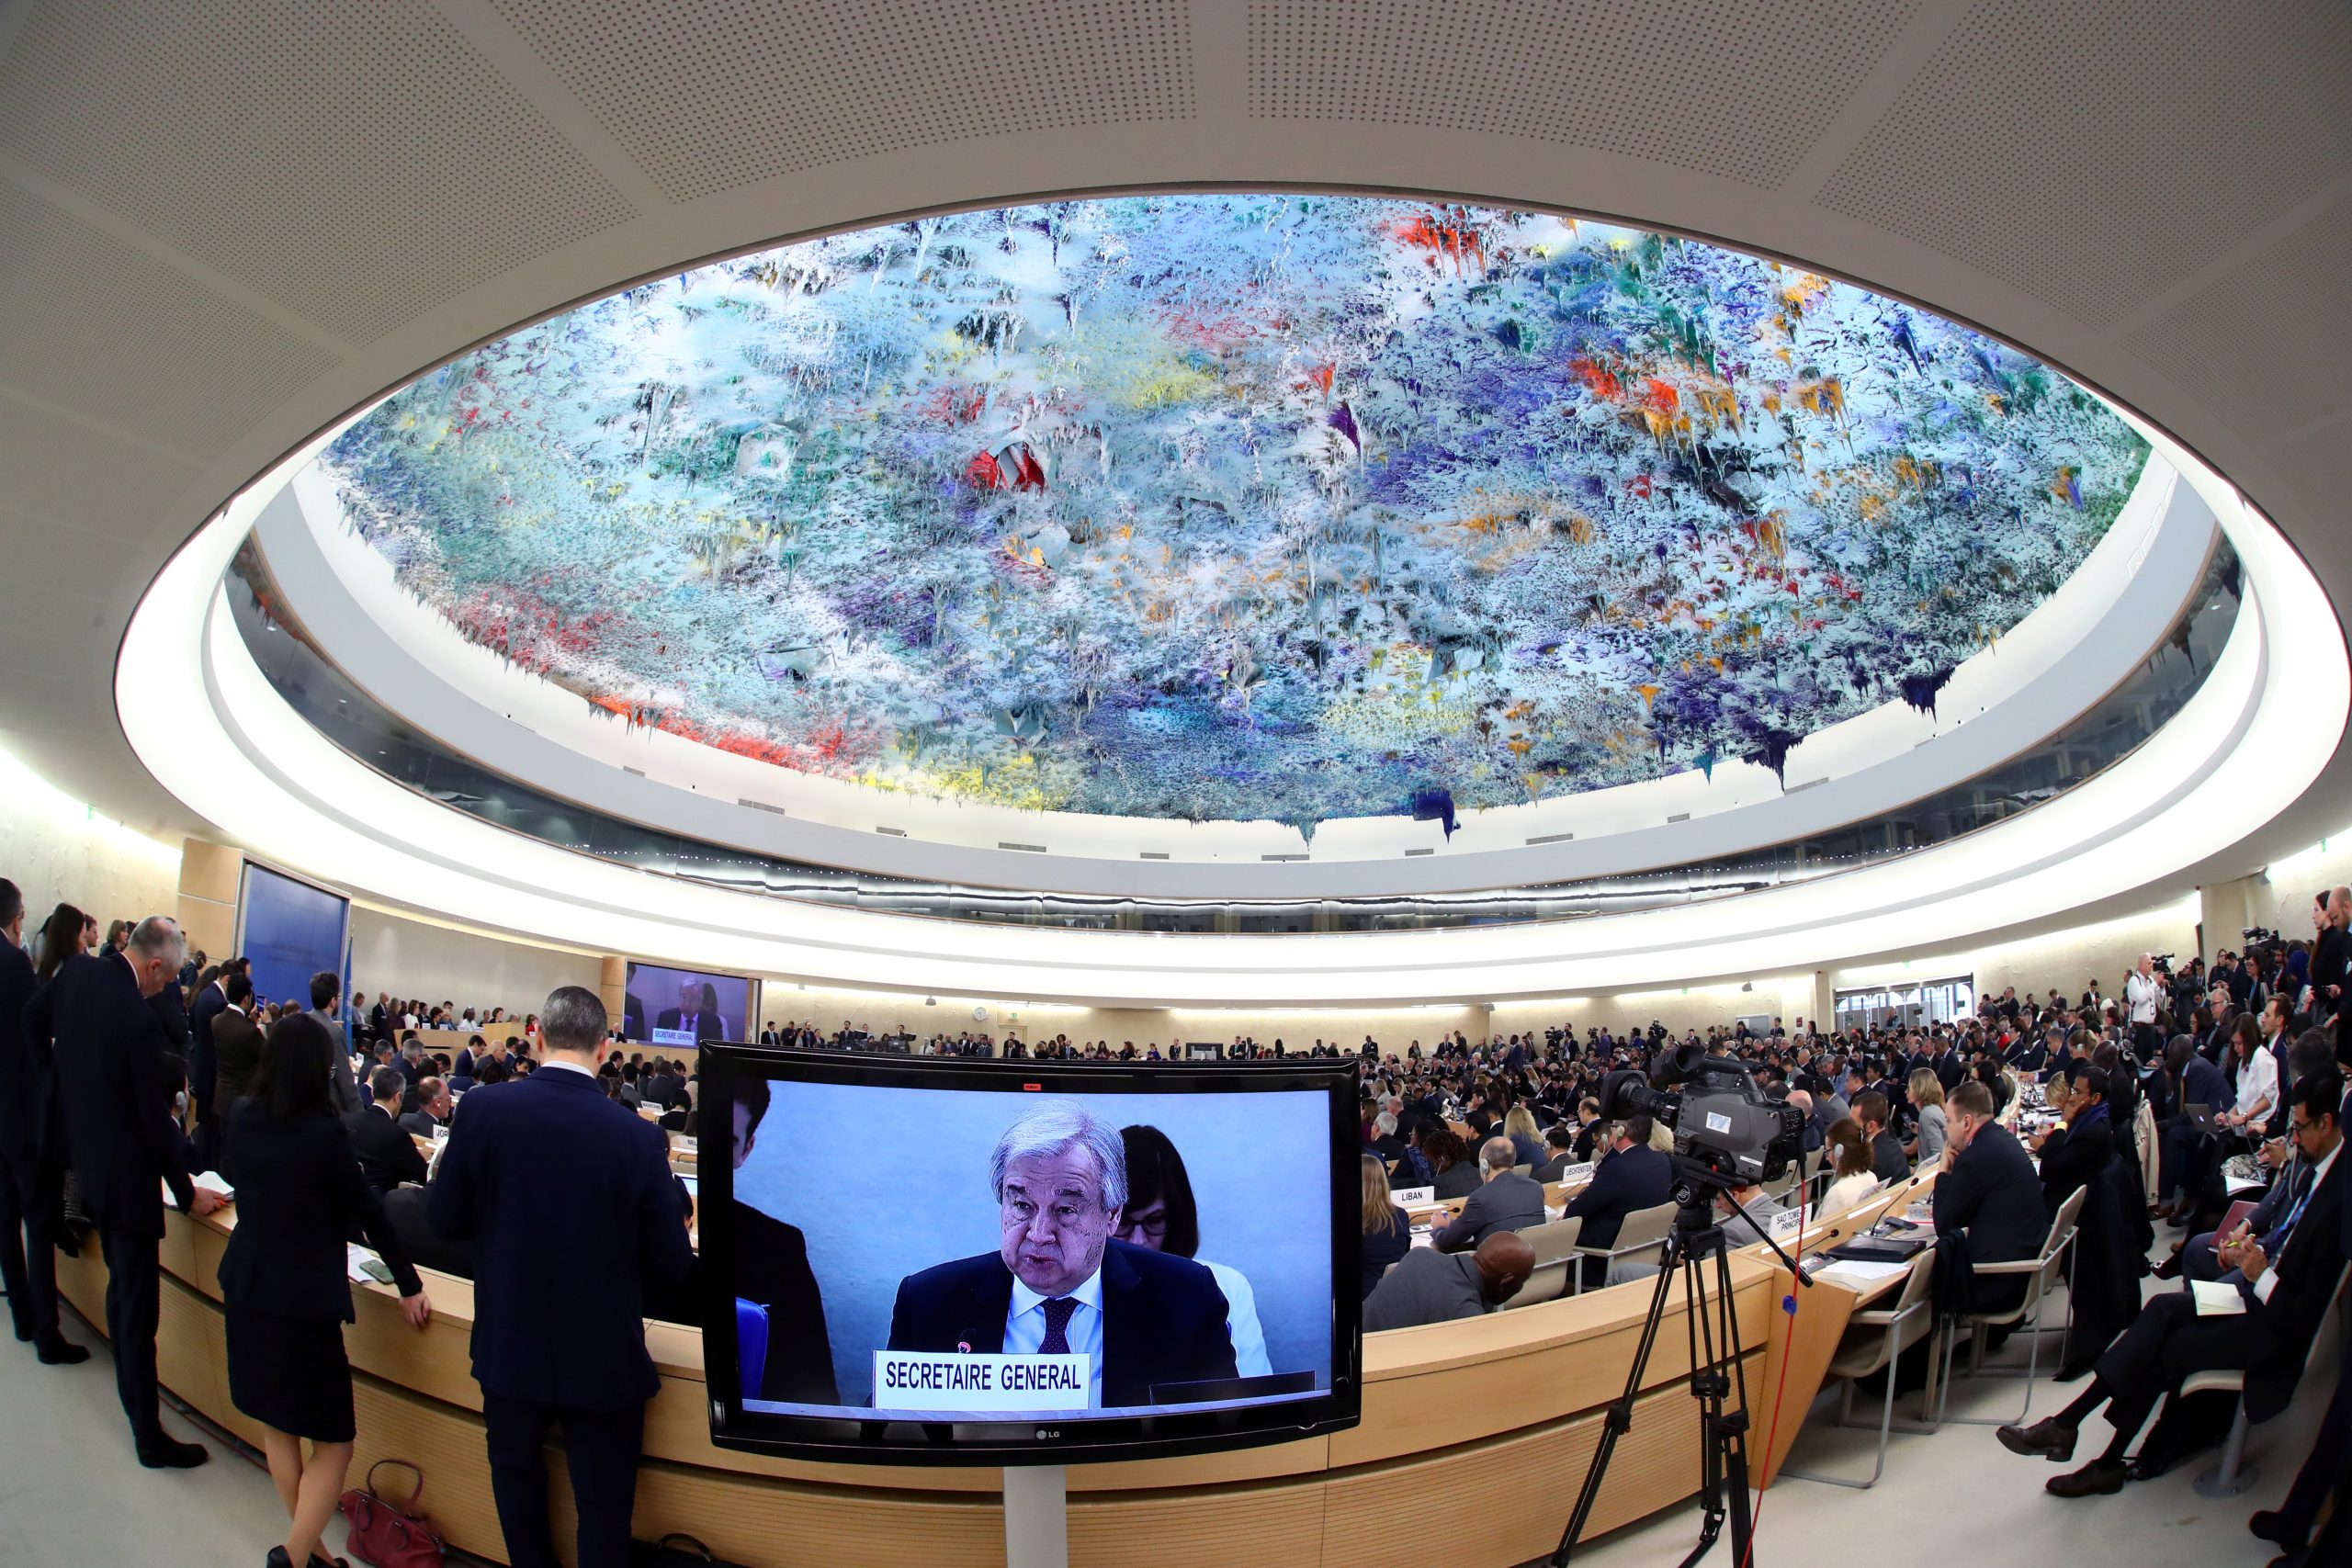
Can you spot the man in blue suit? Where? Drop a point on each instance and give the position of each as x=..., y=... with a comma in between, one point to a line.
x=1059, y=1283
x=569, y=1202
x=30, y=1187
x=113, y=1090
x=1634, y=1176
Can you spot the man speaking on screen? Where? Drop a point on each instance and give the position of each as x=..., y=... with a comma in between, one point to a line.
x=1058, y=1283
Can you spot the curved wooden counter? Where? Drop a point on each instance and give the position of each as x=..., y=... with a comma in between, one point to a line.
x=1501, y=1413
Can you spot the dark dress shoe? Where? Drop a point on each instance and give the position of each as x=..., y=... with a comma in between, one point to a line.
x=278, y=1559
x=2046, y=1439
x=62, y=1353
x=171, y=1455
x=2100, y=1478
x=2271, y=1524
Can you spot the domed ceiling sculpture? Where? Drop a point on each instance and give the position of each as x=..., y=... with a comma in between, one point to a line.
x=1240, y=507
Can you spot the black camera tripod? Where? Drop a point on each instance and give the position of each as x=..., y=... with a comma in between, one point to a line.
x=1715, y=1369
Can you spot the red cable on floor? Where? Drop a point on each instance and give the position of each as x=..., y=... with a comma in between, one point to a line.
x=1789, y=1306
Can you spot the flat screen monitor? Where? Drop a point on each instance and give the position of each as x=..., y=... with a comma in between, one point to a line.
x=945, y=1259
x=291, y=930
x=664, y=1006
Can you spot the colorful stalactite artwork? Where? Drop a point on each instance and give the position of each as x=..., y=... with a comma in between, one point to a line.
x=1240, y=507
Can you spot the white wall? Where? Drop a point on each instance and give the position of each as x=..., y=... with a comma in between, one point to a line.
x=415, y=958
x=54, y=848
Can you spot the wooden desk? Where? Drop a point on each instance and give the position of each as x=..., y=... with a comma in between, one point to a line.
x=1505, y=1408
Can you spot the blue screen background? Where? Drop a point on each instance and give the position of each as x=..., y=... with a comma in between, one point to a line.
x=292, y=931
x=884, y=1182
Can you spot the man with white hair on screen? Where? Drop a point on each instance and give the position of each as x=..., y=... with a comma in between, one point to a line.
x=1059, y=1281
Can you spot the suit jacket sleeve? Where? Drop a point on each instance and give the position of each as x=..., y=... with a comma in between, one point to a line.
x=661, y=1233
x=407, y=1159
x=165, y=1145
x=449, y=1200
x=797, y=1321
x=1459, y=1231
x=354, y=1197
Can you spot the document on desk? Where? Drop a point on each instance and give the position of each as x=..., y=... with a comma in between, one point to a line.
x=1859, y=1274
x=2215, y=1298
x=362, y=1264
x=204, y=1182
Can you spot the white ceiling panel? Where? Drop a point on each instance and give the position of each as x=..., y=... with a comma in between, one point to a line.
x=113, y=333
x=1737, y=91
x=2203, y=341
x=2094, y=154
x=711, y=94
x=357, y=163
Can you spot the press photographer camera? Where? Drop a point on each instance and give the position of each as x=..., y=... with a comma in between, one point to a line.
x=2161, y=962
x=1721, y=1120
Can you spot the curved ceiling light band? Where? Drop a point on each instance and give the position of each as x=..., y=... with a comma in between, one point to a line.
x=2246, y=744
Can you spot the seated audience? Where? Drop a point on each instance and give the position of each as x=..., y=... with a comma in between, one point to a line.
x=1526, y=1139
x=1388, y=1232
x=1456, y=1177
x=1632, y=1176
x=1560, y=1152
x=388, y=1155
x=1887, y=1159
x=1927, y=1107
x=1430, y=1286
x=1989, y=1206
x=2285, y=1281
x=1505, y=1200
x=1848, y=1154
x=434, y=1107
x=2076, y=1152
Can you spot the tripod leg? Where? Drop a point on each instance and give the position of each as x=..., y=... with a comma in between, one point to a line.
x=1620, y=1416
x=1735, y=1427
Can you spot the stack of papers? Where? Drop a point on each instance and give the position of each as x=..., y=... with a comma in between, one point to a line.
x=1846, y=1271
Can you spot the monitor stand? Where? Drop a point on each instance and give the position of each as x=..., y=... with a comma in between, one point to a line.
x=1037, y=1516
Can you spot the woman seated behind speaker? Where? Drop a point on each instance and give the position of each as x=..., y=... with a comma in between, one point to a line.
x=1849, y=1153
x=1163, y=1214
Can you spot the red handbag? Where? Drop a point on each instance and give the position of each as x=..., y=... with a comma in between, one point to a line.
x=389, y=1534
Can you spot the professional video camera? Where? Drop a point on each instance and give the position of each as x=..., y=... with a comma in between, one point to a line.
x=2161, y=962
x=1721, y=1122
x=1554, y=1038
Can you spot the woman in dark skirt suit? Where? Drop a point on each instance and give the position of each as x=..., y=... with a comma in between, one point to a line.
x=284, y=1291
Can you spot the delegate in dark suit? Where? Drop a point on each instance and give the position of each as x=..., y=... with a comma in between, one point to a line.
x=114, y=1100
x=284, y=1290
x=236, y=1058
x=569, y=1202
x=1628, y=1181
x=772, y=1271
x=705, y=1025
x=1507, y=1202
x=1386, y=1247
x=30, y=1186
x=2072, y=1157
x=1988, y=1210
x=203, y=1068
x=388, y=1155
x=1163, y=1317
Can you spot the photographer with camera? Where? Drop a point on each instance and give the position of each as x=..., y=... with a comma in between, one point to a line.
x=2144, y=991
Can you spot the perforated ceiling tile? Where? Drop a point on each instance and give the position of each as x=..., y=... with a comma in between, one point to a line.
x=2094, y=154
x=2201, y=342
x=62, y=470
x=2311, y=462
x=712, y=94
x=345, y=161
x=115, y=335
x=1740, y=92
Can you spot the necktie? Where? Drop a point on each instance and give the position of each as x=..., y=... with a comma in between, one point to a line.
x=2275, y=1242
x=1058, y=1314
